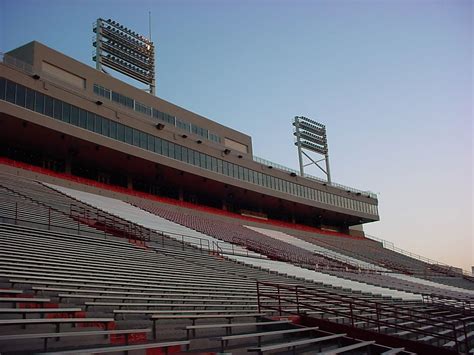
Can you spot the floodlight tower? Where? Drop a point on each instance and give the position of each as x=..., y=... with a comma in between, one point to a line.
x=125, y=51
x=311, y=136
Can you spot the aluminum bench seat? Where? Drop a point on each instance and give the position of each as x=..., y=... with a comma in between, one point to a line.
x=225, y=339
x=10, y=292
x=294, y=344
x=42, y=311
x=47, y=336
x=56, y=321
x=343, y=349
x=194, y=317
x=123, y=348
x=228, y=327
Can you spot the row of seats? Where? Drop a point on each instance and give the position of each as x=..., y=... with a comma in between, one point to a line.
x=157, y=296
x=232, y=251
x=377, y=276
x=169, y=290
x=371, y=251
x=237, y=234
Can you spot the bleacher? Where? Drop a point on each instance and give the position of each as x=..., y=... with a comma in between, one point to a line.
x=371, y=251
x=120, y=288
x=69, y=287
x=235, y=233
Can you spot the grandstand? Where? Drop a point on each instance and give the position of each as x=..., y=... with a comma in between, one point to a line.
x=128, y=223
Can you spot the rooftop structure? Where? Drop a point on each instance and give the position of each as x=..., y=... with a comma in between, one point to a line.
x=78, y=120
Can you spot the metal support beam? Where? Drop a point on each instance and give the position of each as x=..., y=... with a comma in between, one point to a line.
x=311, y=136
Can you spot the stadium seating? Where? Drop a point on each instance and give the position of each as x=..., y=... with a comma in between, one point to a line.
x=98, y=292
x=382, y=277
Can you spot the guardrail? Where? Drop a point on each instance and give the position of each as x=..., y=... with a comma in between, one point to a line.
x=311, y=177
x=466, y=306
x=298, y=260
x=97, y=219
x=290, y=299
x=445, y=268
x=15, y=63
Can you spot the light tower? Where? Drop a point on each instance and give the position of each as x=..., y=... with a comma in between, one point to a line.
x=311, y=137
x=125, y=51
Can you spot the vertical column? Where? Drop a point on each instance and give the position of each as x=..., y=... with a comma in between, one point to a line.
x=98, y=49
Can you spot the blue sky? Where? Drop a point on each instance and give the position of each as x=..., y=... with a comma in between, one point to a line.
x=392, y=81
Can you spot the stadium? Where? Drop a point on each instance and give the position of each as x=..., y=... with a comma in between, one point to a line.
x=130, y=224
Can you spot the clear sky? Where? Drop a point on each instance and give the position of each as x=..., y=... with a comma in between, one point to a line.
x=392, y=81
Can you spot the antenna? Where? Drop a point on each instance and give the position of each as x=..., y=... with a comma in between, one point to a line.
x=149, y=26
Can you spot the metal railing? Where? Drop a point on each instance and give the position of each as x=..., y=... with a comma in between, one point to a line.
x=304, y=261
x=375, y=316
x=15, y=63
x=97, y=219
x=465, y=306
x=444, y=268
x=311, y=177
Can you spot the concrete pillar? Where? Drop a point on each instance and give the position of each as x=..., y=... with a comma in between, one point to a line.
x=68, y=167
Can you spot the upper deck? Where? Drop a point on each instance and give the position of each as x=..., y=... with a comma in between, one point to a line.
x=104, y=111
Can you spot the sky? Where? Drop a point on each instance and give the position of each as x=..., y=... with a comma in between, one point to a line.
x=391, y=80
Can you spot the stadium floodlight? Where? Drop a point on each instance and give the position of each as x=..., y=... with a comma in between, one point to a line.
x=125, y=51
x=311, y=136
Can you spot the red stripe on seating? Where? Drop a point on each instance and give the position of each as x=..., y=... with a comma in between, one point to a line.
x=211, y=210
x=133, y=338
x=80, y=314
x=100, y=325
x=51, y=305
x=28, y=305
x=59, y=315
x=161, y=351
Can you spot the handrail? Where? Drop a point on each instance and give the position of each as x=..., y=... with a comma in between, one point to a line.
x=464, y=305
x=448, y=269
x=311, y=177
x=352, y=304
x=329, y=255
x=299, y=260
x=16, y=63
x=99, y=219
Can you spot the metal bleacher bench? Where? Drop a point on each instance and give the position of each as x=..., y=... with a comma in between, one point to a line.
x=10, y=292
x=123, y=312
x=42, y=311
x=46, y=336
x=55, y=321
x=225, y=339
x=17, y=300
x=228, y=327
x=294, y=344
x=194, y=317
x=348, y=348
x=125, y=348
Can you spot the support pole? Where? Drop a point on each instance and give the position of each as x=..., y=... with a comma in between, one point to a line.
x=328, y=171
x=98, y=49
x=298, y=141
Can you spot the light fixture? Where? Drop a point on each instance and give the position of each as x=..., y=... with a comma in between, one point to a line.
x=226, y=151
x=160, y=126
x=199, y=141
x=293, y=174
x=184, y=136
x=98, y=102
x=35, y=76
